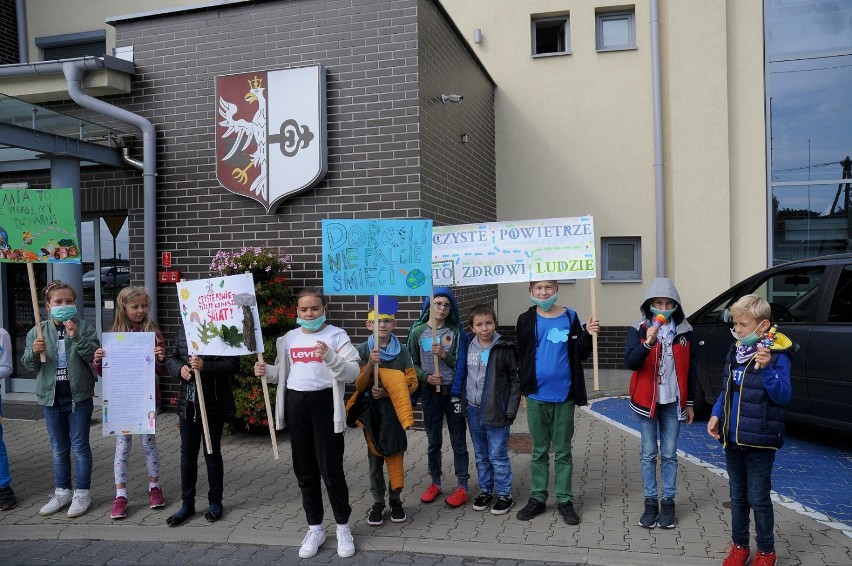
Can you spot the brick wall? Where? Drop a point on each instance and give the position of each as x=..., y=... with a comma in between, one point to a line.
x=389, y=141
x=8, y=33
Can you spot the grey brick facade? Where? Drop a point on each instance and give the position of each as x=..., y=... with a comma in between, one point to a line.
x=8, y=33
x=394, y=149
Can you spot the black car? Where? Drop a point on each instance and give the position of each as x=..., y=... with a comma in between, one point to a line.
x=812, y=304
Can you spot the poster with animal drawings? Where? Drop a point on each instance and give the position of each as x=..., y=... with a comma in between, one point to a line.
x=220, y=316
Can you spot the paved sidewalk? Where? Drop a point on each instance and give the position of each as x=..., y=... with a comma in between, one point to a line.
x=262, y=503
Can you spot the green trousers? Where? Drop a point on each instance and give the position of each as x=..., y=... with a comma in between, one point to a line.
x=551, y=423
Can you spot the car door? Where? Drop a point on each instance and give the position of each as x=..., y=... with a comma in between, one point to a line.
x=713, y=339
x=829, y=353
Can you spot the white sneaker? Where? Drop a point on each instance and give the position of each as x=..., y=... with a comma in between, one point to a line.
x=311, y=543
x=80, y=503
x=345, y=544
x=58, y=500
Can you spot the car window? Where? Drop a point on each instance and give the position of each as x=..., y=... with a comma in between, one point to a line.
x=841, y=303
x=712, y=314
x=791, y=293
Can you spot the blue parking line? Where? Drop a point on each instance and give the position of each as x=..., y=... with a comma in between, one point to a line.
x=816, y=476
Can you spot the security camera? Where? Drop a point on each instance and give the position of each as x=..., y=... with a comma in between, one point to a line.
x=455, y=98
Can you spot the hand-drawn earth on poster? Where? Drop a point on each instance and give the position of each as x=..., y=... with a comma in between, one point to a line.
x=377, y=257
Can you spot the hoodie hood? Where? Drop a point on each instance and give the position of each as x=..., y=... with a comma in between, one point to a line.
x=662, y=287
x=453, y=317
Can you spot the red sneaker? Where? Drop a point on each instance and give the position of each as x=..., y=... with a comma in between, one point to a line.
x=764, y=558
x=737, y=557
x=431, y=493
x=457, y=498
x=119, y=508
x=155, y=496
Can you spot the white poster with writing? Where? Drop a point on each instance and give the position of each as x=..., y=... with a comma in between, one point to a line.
x=220, y=316
x=129, y=383
x=516, y=251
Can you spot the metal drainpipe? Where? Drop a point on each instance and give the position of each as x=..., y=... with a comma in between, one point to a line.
x=21, y=14
x=74, y=71
x=659, y=186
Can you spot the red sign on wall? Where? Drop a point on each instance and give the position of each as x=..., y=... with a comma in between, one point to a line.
x=167, y=259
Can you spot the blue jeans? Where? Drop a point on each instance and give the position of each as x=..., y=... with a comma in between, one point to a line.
x=5, y=480
x=491, y=450
x=436, y=406
x=69, y=431
x=664, y=427
x=750, y=478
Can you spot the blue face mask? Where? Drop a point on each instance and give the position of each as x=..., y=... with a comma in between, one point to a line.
x=63, y=313
x=668, y=314
x=311, y=325
x=545, y=304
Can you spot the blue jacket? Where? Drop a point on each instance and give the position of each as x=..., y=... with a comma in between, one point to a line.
x=758, y=420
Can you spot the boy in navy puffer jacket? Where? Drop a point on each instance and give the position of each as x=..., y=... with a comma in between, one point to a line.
x=748, y=418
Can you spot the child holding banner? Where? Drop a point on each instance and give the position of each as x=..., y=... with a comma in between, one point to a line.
x=384, y=410
x=216, y=373
x=312, y=365
x=442, y=388
x=552, y=344
x=661, y=352
x=492, y=395
x=131, y=315
x=65, y=385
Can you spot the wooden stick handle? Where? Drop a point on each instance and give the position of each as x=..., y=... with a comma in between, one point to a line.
x=595, y=339
x=199, y=390
x=376, y=337
x=269, y=416
x=36, y=313
x=435, y=359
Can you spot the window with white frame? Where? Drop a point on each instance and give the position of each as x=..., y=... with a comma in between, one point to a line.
x=615, y=31
x=621, y=259
x=550, y=36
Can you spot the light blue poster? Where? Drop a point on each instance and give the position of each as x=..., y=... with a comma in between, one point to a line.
x=377, y=257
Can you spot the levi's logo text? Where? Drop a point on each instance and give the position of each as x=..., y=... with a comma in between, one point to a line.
x=304, y=355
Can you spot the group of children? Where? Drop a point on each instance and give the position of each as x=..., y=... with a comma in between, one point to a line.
x=473, y=381
x=66, y=356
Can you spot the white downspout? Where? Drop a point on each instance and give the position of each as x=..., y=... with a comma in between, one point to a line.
x=659, y=186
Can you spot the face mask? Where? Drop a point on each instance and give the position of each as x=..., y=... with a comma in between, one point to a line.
x=63, y=313
x=545, y=304
x=749, y=340
x=667, y=314
x=312, y=325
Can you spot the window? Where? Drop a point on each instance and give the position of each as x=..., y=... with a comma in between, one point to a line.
x=615, y=31
x=551, y=36
x=841, y=304
x=622, y=259
x=791, y=293
x=71, y=45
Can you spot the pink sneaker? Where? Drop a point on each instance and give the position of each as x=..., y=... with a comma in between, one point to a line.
x=119, y=508
x=155, y=495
